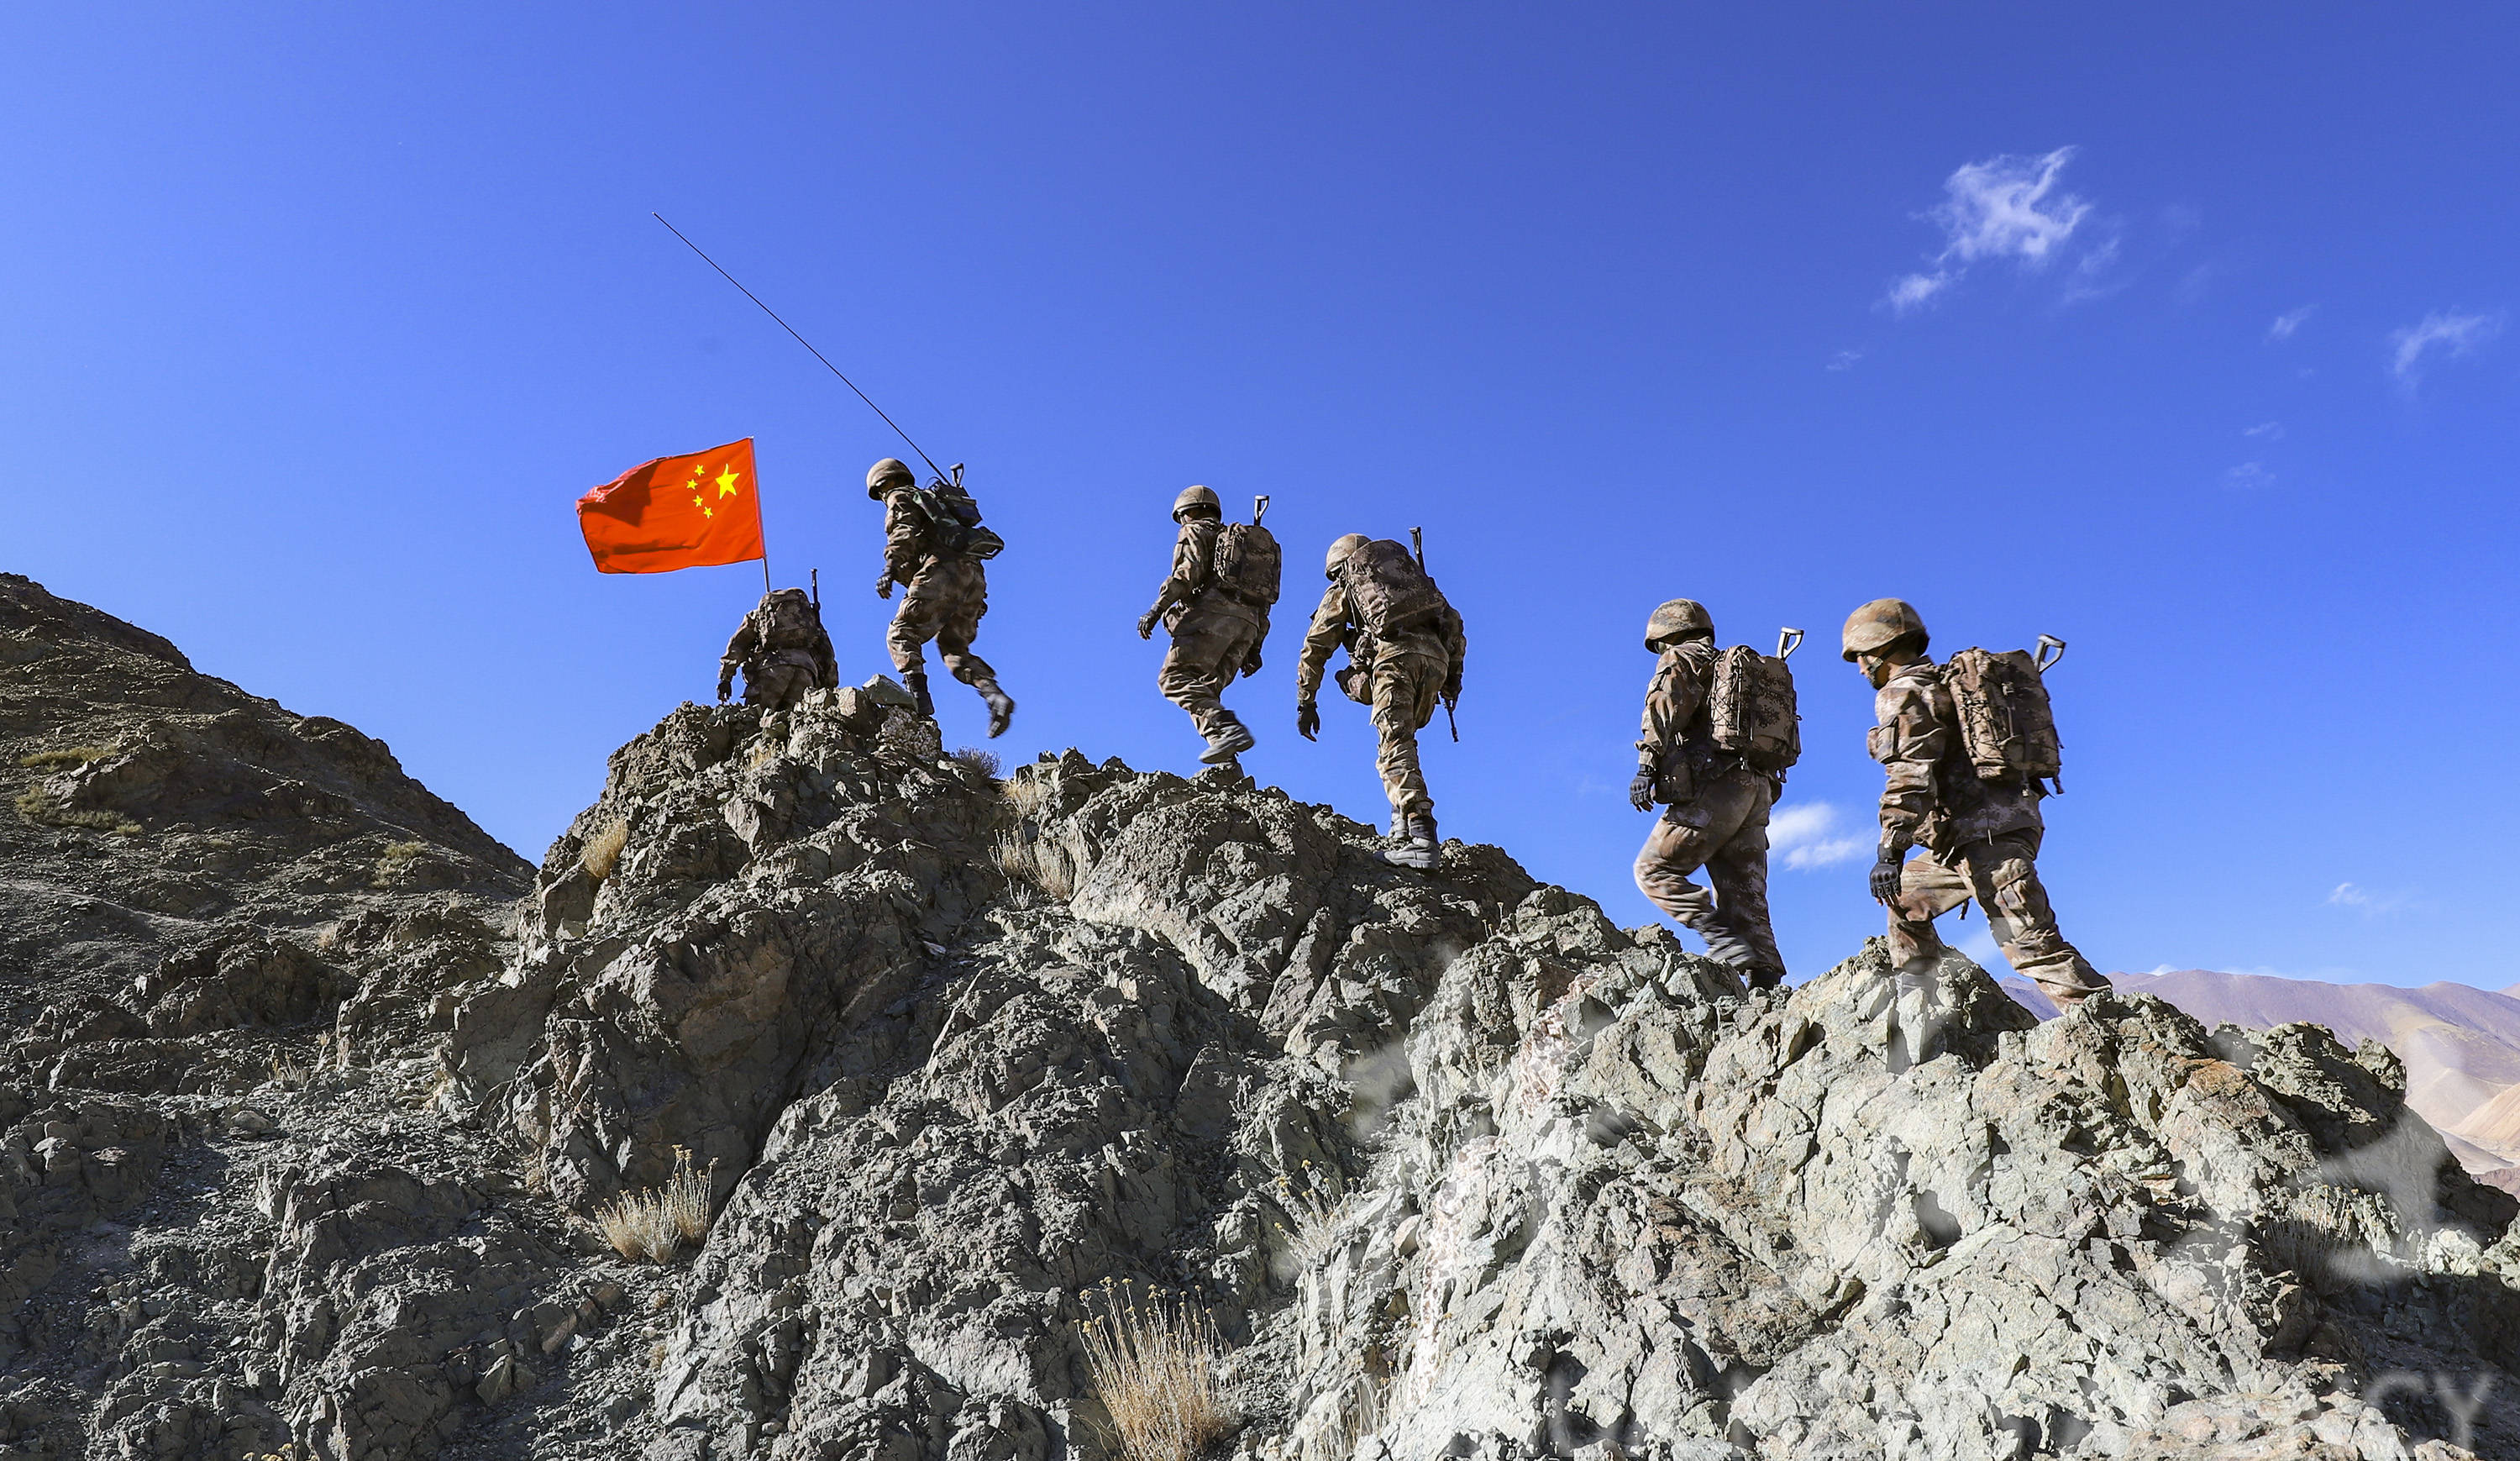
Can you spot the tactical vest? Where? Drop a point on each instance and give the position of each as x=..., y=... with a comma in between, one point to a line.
x=1750, y=710
x=1389, y=594
x=2006, y=725
x=1247, y=564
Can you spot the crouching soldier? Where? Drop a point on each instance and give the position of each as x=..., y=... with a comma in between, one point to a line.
x=783, y=651
x=935, y=548
x=1717, y=802
x=1216, y=605
x=1965, y=757
x=1405, y=649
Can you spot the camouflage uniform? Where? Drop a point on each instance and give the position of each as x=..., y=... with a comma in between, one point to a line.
x=1215, y=636
x=945, y=595
x=783, y=651
x=1980, y=840
x=1717, y=820
x=1403, y=681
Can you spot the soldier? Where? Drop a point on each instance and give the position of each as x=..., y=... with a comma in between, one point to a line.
x=1718, y=817
x=947, y=593
x=1216, y=606
x=783, y=651
x=1981, y=835
x=1404, y=650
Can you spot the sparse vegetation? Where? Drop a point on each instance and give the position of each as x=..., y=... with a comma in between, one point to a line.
x=985, y=762
x=288, y=1072
x=1046, y=865
x=1153, y=1363
x=395, y=860
x=651, y=1226
x=1027, y=796
x=602, y=851
x=40, y=808
x=1312, y=1202
x=67, y=755
x=1357, y=1419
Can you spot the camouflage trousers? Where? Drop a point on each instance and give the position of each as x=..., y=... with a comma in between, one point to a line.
x=1210, y=643
x=1725, y=831
x=777, y=687
x=2001, y=873
x=1405, y=691
x=944, y=602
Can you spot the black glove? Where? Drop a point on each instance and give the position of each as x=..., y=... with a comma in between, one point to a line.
x=1640, y=791
x=1887, y=871
x=1251, y=666
x=1308, y=720
x=883, y=585
x=1147, y=623
x=723, y=687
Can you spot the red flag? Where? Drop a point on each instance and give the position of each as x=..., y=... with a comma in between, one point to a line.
x=676, y=513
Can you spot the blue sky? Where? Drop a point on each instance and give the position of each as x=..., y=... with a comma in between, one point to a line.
x=2181, y=334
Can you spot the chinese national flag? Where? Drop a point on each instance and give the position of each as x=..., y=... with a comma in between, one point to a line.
x=676, y=513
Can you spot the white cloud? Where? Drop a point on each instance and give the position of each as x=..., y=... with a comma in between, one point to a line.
x=2285, y=324
x=2364, y=901
x=2265, y=431
x=2447, y=332
x=2006, y=207
x=2249, y=475
x=1844, y=359
x=1805, y=836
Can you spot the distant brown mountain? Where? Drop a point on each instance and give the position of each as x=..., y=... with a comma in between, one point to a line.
x=2461, y=1045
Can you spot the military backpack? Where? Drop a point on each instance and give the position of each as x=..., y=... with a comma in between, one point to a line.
x=786, y=620
x=954, y=520
x=1750, y=706
x=1247, y=564
x=2001, y=697
x=1390, y=592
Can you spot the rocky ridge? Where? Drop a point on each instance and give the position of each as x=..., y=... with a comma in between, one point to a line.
x=1458, y=1168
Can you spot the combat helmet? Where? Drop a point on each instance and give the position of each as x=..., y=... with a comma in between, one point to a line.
x=891, y=472
x=1191, y=497
x=1879, y=624
x=1340, y=547
x=1681, y=619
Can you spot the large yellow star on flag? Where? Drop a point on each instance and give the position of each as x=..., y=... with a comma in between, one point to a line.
x=726, y=480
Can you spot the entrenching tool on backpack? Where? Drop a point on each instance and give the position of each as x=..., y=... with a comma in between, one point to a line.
x=1750, y=706
x=2007, y=724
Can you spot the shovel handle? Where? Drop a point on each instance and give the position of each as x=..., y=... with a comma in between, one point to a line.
x=1788, y=641
x=1259, y=509
x=2051, y=650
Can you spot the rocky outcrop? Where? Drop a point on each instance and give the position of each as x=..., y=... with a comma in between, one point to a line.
x=1456, y=1167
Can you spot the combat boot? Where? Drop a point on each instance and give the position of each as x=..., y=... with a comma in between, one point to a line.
x=1002, y=707
x=1421, y=851
x=916, y=682
x=1229, y=744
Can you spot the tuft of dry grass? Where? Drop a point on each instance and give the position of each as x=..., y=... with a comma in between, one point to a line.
x=1312, y=1204
x=394, y=861
x=651, y=1226
x=985, y=762
x=1153, y=1363
x=38, y=806
x=67, y=755
x=288, y=1072
x=1358, y=1418
x=1046, y=865
x=603, y=852
x=1027, y=796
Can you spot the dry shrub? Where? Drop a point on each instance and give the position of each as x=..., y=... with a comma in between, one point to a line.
x=395, y=860
x=652, y=1225
x=1313, y=1204
x=288, y=1072
x=39, y=807
x=602, y=851
x=1046, y=865
x=68, y=755
x=1027, y=796
x=1357, y=1419
x=985, y=762
x=1154, y=1363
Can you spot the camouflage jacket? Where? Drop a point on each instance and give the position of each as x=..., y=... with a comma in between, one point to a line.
x=1194, y=575
x=1934, y=796
x=908, y=538
x=1678, y=740
x=759, y=643
x=1337, y=626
